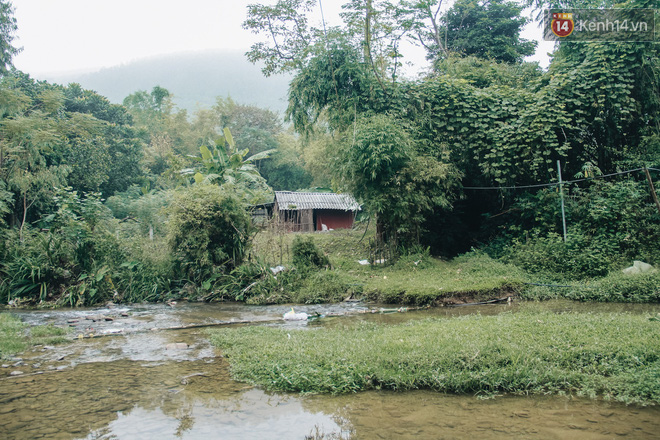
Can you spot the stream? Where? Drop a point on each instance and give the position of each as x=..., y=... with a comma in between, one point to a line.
x=129, y=375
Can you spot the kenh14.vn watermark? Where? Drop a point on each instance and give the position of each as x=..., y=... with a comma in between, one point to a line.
x=599, y=25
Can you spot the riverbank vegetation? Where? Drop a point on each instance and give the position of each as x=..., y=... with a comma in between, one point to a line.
x=457, y=170
x=598, y=355
x=16, y=337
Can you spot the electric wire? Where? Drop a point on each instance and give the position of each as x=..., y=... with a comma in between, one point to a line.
x=542, y=185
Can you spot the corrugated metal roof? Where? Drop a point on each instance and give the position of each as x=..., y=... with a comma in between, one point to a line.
x=291, y=201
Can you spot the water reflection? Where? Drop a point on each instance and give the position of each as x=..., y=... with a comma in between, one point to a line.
x=134, y=387
x=251, y=414
x=197, y=400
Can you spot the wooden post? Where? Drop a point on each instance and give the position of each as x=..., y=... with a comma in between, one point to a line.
x=653, y=194
x=561, y=192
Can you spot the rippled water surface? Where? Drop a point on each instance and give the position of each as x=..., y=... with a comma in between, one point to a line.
x=142, y=381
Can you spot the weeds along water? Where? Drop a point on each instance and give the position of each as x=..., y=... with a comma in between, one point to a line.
x=614, y=356
x=16, y=336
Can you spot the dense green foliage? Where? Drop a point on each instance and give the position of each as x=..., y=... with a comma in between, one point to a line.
x=208, y=230
x=489, y=30
x=609, y=224
x=399, y=184
x=615, y=287
x=127, y=202
x=613, y=356
x=307, y=255
x=56, y=136
x=489, y=119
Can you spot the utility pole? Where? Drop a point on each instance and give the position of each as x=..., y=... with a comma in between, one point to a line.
x=561, y=192
x=653, y=194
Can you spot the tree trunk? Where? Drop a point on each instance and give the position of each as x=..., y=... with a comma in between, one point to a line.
x=25, y=208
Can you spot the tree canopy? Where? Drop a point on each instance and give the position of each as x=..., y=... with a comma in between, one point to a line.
x=483, y=114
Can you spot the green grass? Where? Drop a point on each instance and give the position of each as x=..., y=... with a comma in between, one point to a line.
x=415, y=279
x=16, y=337
x=11, y=336
x=615, y=287
x=473, y=276
x=344, y=246
x=614, y=356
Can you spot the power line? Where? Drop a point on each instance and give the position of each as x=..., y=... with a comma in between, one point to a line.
x=542, y=185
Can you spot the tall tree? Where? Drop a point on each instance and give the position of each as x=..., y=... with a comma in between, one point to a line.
x=487, y=29
x=289, y=39
x=7, y=29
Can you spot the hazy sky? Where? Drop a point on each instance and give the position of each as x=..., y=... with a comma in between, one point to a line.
x=81, y=35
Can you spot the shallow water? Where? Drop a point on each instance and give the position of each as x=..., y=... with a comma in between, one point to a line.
x=137, y=385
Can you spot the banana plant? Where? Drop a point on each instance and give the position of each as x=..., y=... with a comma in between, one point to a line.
x=223, y=163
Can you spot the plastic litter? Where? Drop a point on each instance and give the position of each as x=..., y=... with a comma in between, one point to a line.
x=638, y=267
x=277, y=269
x=291, y=315
x=364, y=262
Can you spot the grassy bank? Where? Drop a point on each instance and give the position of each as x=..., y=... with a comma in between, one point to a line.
x=614, y=356
x=15, y=337
x=415, y=278
x=418, y=279
x=615, y=287
x=471, y=277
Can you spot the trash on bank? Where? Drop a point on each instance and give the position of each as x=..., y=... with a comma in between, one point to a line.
x=277, y=269
x=638, y=267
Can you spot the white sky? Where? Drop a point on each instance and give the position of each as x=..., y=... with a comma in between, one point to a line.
x=61, y=36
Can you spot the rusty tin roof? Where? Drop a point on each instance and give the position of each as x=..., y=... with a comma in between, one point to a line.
x=292, y=201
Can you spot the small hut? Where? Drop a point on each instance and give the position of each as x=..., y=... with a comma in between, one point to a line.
x=307, y=212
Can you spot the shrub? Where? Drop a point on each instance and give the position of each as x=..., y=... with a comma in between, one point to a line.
x=307, y=255
x=34, y=269
x=580, y=257
x=208, y=230
x=607, y=222
x=147, y=273
x=619, y=287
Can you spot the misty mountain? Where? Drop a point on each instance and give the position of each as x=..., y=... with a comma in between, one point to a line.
x=195, y=79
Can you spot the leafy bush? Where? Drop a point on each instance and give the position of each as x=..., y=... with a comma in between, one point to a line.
x=578, y=258
x=619, y=287
x=307, y=255
x=608, y=222
x=33, y=269
x=80, y=256
x=208, y=231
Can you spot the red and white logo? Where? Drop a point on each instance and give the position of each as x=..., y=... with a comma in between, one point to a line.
x=562, y=24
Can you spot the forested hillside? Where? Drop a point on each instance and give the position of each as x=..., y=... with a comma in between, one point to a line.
x=194, y=78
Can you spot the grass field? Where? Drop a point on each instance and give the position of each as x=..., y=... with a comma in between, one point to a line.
x=613, y=356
